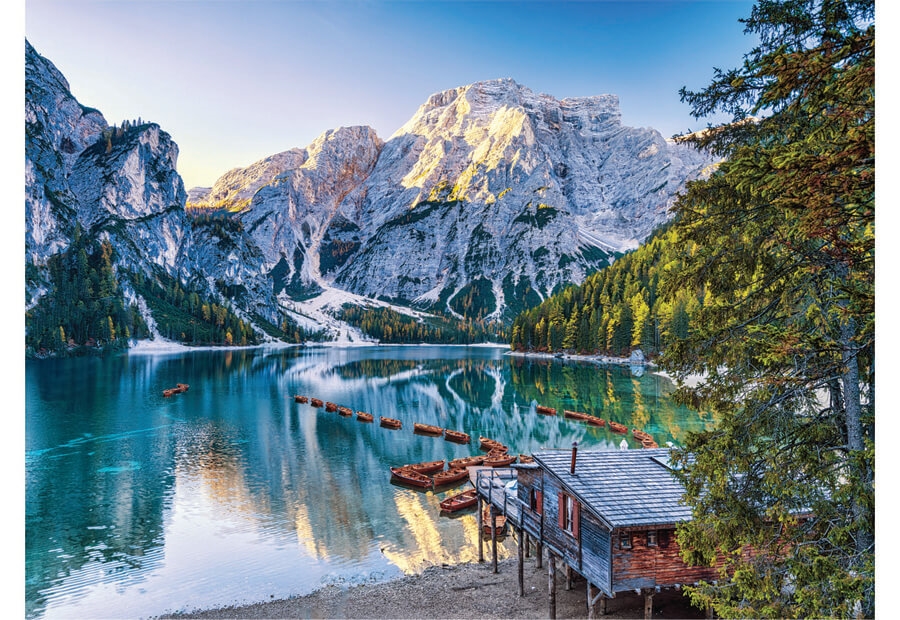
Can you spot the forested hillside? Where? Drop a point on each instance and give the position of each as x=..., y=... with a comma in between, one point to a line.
x=616, y=309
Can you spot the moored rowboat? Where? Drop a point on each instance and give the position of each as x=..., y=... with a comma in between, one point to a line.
x=490, y=444
x=331, y=407
x=300, y=399
x=412, y=477
x=362, y=416
x=457, y=436
x=390, y=423
x=315, y=402
x=428, y=467
x=486, y=520
x=525, y=458
x=450, y=476
x=617, y=428
x=427, y=429
x=345, y=411
x=460, y=501
x=546, y=410
x=499, y=460
x=466, y=461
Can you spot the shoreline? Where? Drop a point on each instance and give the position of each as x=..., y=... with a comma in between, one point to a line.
x=460, y=591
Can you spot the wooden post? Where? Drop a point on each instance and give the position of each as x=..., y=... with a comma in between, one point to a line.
x=551, y=585
x=568, y=577
x=494, y=538
x=522, y=543
x=590, y=605
x=540, y=555
x=527, y=545
x=603, y=605
x=648, y=604
x=709, y=612
x=480, y=530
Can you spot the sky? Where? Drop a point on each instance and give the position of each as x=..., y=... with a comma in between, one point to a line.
x=234, y=81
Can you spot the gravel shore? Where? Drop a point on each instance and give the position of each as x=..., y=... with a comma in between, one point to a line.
x=460, y=591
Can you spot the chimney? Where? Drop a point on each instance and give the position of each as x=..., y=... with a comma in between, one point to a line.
x=574, y=452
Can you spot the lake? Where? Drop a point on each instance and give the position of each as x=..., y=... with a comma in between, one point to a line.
x=231, y=492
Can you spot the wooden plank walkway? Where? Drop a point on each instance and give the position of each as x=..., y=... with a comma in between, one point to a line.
x=490, y=483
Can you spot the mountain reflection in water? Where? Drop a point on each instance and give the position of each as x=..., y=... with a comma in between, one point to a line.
x=231, y=492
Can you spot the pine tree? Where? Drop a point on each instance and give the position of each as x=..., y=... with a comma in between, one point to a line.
x=784, y=252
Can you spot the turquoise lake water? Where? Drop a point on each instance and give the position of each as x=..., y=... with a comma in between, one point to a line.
x=231, y=492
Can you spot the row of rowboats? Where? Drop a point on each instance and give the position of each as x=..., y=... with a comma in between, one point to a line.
x=385, y=422
x=644, y=438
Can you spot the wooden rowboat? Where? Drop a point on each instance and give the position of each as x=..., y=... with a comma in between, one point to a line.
x=640, y=435
x=362, y=416
x=427, y=429
x=428, y=467
x=169, y=392
x=331, y=407
x=391, y=423
x=345, y=411
x=457, y=436
x=574, y=415
x=546, y=410
x=617, y=428
x=486, y=520
x=490, y=444
x=315, y=402
x=182, y=387
x=411, y=477
x=500, y=460
x=525, y=458
x=595, y=421
x=649, y=443
x=300, y=399
x=450, y=476
x=460, y=501
x=466, y=461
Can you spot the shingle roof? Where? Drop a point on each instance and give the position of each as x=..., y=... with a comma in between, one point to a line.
x=627, y=488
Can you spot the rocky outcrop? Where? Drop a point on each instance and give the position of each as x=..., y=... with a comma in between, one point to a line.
x=116, y=183
x=488, y=199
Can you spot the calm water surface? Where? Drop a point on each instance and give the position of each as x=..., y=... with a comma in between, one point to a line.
x=233, y=493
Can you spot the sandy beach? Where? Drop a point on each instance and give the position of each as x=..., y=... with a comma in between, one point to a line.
x=459, y=591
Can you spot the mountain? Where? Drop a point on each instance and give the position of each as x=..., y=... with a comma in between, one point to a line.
x=486, y=201
x=116, y=183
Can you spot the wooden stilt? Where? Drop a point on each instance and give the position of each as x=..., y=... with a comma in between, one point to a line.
x=494, y=539
x=590, y=603
x=648, y=605
x=568, y=577
x=480, y=531
x=603, y=605
x=527, y=545
x=522, y=544
x=551, y=571
x=540, y=555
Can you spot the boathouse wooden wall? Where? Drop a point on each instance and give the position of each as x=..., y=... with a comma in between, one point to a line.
x=588, y=552
x=646, y=566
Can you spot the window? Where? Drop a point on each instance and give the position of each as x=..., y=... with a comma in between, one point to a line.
x=625, y=540
x=536, y=500
x=569, y=514
x=651, y=538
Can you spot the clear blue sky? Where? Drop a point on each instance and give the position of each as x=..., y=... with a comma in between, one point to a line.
x=234, y=81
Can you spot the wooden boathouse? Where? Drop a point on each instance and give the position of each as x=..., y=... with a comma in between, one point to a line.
x=608, y=516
